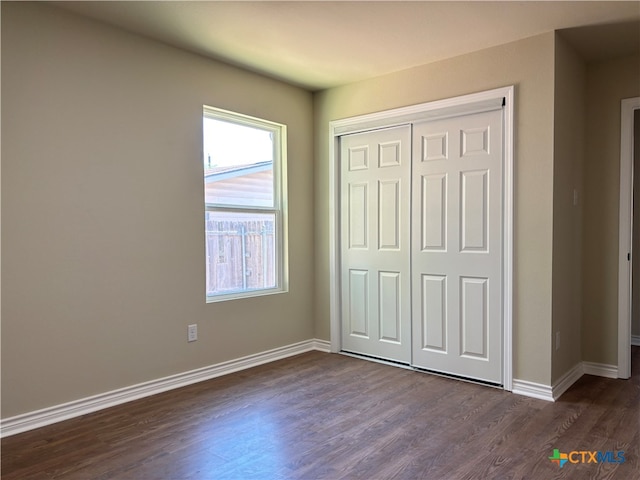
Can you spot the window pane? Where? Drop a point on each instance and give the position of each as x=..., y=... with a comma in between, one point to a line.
x=240, y=252
x=238, y=164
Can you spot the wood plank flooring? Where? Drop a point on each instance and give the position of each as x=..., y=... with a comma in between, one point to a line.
x=323, y=416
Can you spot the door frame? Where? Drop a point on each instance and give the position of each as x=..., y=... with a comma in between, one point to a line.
x=450, y=107
x=628, y=106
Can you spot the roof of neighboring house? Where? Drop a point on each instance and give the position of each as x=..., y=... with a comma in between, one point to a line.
x=215, y=174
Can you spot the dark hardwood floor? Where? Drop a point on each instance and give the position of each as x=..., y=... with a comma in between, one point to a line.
x=328, y=416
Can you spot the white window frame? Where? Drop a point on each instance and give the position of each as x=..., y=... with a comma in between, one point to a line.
x=279, y=208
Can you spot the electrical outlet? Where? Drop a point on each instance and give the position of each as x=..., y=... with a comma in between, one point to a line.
x=557, y=340
x=192, y=333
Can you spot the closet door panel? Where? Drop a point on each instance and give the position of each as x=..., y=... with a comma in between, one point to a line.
x=375, y=256
x=457, y=238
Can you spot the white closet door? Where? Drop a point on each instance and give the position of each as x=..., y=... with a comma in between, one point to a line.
x=457, y=246
x=375, y=274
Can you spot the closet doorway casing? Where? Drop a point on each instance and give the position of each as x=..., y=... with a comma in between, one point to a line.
x=432, y=298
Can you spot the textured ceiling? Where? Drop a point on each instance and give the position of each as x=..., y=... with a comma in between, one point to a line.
x=323, y=44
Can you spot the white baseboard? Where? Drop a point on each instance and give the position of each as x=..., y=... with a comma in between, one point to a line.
x=321, y=345
x=544, y=392
x=635, y=340
x=568, y=379
x=47, y=416
x=532, y=389
x=600, y=369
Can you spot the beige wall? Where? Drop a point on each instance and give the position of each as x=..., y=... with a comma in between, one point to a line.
x=529, y=65
x=102, y=210
x=607, y=83
x=103, y=238
x=569, y=125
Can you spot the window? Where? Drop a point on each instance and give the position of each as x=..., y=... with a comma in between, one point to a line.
x=245, y=199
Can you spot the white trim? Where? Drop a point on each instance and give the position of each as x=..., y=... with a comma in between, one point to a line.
x=321, y=345
x=627, y=108
x=46, y=416
x=278, y=209
x=583, y=368
x=532, y=389
x=437, y=110
x=334, y=243
x=568, y=379
x=551, y=394
x=440, y=108
x=635, y=340
x=601, y=370
x=507, y=245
